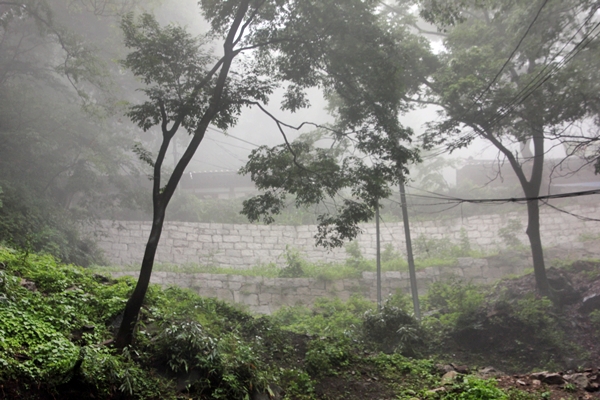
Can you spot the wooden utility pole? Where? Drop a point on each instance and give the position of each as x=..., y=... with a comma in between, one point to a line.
x=409, y=253
x=378, y=258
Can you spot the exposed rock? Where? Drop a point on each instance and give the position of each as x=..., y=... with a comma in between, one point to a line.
x=29, y=285
x=102, y=278
x=436, y=391
x=445, y=368
x=449, y=377
x=563, y=287
x=548, y=377
x=489, y=372
x=590, y=303
x=579, y=380
x=461, y=369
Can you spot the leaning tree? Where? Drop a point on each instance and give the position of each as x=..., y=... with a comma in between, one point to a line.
x=339, y=47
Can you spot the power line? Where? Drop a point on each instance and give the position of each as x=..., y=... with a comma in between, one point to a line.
x=513, y=199
x=540, y=78
x=213, y=165
x=228, y=144
x=231, y=136
x=581, y=217
x=489, y=86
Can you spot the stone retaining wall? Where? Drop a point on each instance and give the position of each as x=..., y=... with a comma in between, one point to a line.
x=266, y=295
x=242, y=246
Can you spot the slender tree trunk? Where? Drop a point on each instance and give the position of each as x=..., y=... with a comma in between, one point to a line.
x=134, y=304
x=537, y=252
x=531, y=189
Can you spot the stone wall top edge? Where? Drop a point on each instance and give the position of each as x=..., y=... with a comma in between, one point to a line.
x=368, y=226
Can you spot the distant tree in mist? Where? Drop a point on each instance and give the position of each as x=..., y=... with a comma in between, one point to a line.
x=64, y=152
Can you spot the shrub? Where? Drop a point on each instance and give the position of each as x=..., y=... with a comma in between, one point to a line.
x=326, y=354
x=293, y=264
x=508, y=234
x=455, y=302
x=393, y=329
x=328, y=317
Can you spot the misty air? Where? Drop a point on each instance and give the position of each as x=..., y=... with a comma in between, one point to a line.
x=299, y=199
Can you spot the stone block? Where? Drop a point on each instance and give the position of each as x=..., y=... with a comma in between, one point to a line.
x=302, y=291
x=335, y=286
x=177, y=235
x=231, y=239
x=264, y=298
x=263, y=309
x=233, y=253
x=270, y=239
x=317, y=284
x=207, y=292
x=233, y=285
x=240, y=245
x=369, y=275
x=247, y=254
x=247, y=299
x=180, y=243
x=190, y=252
x=214, y=283
x=471, y=271
x=225, y=295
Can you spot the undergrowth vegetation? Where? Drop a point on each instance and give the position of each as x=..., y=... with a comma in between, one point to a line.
x=57, y=322
x=429, y=253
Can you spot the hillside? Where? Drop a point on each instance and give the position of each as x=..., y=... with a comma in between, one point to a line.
x=57, y=322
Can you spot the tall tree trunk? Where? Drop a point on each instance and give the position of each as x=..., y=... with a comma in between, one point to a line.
x=134, y=304
x=537, y=252
x=531, y=189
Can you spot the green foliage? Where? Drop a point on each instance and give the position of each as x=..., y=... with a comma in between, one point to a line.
x=185, y=345
x=35, y=225
x=355, y=258
x=393, y=329
x=51, y=322
x=107, y=373
x=508, y=234
x=481, y=76
x=471, y=388
x=442, y=248
x=456, y=304
x=64, y=148
x=533, y=311
x=54, y=317
x=298, y=384
x=294, y=264
x=410, y=377
x=327, y=317
x=325, y=355
x=32, y=348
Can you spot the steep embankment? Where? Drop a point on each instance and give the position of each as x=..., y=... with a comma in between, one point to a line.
x=56, y=323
